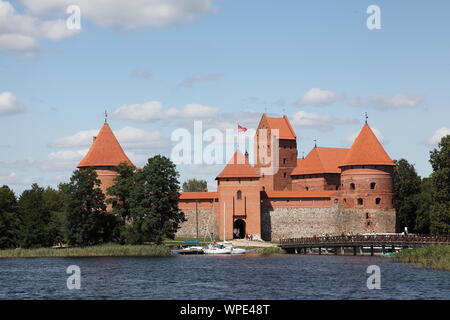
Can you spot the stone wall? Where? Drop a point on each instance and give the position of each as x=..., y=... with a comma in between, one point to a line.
x=280, y=223
x=206, y=222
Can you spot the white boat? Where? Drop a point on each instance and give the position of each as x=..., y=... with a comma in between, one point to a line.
x=191, y=250
x=223, y=248
x=238, y=251
x=218, y=248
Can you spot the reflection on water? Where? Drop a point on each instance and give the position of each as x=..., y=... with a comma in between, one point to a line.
x=224, y=277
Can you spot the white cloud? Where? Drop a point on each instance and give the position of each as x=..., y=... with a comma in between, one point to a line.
x=9, y=104
x=397, y=101
x=144, y=112
x=317, y=121
x=153, y=110
x=21, y=32
x=128, y=137
x=133, y=138
x=128, y=15
x=62, y=160
x=350, y=139
x=79, y=139
x=13, y=179
x=192, y=110
x=438, y=135
x=187, y=83
x=319, y=97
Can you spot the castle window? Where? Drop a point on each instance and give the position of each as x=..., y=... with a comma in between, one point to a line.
x=284, y=175
x=373, y=185
x=264, y=189
x=306, y=188
x=239, y=195
x=360, y=201
x=367, y=215
x=377, y=200
x=368, y=224
x=352, y=186
x=284, y=160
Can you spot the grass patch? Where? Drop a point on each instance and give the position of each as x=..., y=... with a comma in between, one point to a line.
x=271, y=250
x=434, y=257
x=110, y=250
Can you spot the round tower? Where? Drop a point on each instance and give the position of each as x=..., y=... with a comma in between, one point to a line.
x=367, y=183
x=104, y=156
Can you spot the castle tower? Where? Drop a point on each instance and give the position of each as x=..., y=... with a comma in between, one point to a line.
x=239, y=196
x=367, y=180
x=104, y=155
x=275, y=153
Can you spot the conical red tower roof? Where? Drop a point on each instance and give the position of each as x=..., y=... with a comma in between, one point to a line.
x=367, y=150
x=238, y=167
x=105, y=151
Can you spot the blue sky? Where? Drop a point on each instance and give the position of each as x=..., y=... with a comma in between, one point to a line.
x=159, y=68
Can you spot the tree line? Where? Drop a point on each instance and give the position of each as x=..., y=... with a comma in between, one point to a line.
x=423, y=204
x=141, y=207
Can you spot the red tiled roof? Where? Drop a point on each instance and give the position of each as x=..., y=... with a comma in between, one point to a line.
x=321, y=160
x=367, y=150
x=300, y=194
x=284, y=127
x=238, y=167
x=105, y=150
x=198, y=195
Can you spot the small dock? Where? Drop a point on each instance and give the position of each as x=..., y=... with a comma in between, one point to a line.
x=359, y=244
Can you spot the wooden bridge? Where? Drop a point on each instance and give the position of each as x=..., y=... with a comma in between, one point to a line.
x=360, y=244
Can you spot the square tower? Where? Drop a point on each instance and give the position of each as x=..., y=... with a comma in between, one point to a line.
x=275, y=153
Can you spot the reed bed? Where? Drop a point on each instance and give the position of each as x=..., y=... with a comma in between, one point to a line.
x=433, y=257
x=91, y=251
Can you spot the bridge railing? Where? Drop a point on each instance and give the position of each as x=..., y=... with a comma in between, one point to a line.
x=368, y=239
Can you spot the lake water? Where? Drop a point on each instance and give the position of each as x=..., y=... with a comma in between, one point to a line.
x=220, y=277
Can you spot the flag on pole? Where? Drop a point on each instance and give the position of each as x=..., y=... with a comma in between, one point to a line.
x=241, y=128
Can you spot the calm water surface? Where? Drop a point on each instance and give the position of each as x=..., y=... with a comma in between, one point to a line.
x=224, y=277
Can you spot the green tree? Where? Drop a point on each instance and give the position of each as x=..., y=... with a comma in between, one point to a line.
x=35, y=217
x=9, y=219
x=54, y=203
x=407, y=188
x=424, y=202
x=154, y=202
x=440, y=187
x=120, y=198
x=194, y=185
x=88, y=223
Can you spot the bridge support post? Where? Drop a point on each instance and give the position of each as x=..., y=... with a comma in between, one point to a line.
x=354, y=250
x=383, y=249
x=320, y=250
x=371, y=250
x=342, y=251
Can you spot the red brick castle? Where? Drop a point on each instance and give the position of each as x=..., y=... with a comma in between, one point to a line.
x=330, y=191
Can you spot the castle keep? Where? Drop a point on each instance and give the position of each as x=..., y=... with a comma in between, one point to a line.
x=330, y=191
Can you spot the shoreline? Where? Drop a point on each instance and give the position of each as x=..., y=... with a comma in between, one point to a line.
x=433, y=257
